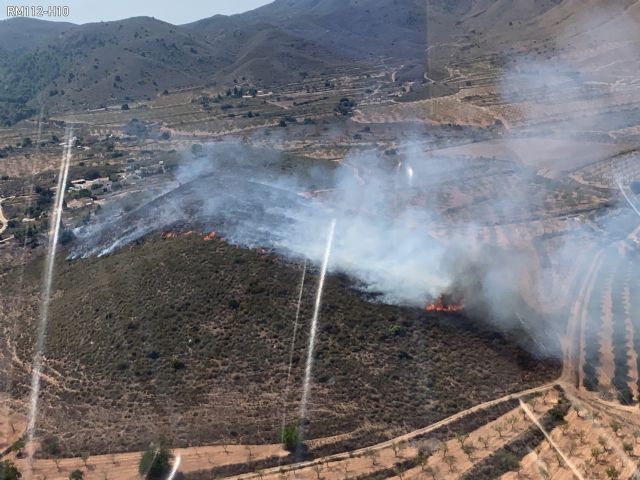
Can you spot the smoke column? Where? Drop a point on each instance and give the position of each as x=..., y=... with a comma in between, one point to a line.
x=314, y=323
x=54, y=232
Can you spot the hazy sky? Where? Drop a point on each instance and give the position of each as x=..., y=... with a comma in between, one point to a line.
x=174, y=11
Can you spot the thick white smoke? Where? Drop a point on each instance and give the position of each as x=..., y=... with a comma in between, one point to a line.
x=391, y=231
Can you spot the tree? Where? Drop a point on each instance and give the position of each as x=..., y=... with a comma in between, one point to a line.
x=345, y=106
x=422, y=460
x=155, y=463
x=613, y=473
x=51, y=445
x=462, y=437
x=468, y=450
x=433, y=471
x=290, y=438
x=603, y=443
x=544, y=473
x=66, y=236
x=18, y=447
x=196, y=149
x=76, y=475
x=615, y=426
x=572, y=447
x=564, y=426
x=507, y=461
x=627, y=447
x=581, y=436
x=372, y=455
x=449, y=460
x=445, y=449
x=394, y=447
x=125, y=106
x=8, y=471
x=511, y=421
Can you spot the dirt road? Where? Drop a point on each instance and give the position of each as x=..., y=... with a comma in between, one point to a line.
x=395, y=441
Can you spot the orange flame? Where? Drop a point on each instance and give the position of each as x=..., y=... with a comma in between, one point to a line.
x=443, y=304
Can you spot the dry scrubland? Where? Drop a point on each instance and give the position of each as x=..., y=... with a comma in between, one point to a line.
x=197, y=353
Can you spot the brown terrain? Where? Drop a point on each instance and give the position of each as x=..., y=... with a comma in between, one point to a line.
x=186, y=341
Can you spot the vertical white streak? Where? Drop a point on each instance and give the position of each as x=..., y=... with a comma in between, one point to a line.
x=552, y=442
x=54, y=232
x=314, y=323
x=174, y=469
x=293, y=343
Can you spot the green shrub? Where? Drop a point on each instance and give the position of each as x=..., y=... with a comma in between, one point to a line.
x=8, y=471
x=76, y=475
x=290, y=438
x=155, y=463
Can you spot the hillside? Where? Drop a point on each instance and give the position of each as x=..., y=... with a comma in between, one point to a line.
x=92, y=65
x=25, y=33
x=68, y=67
x=198, y=352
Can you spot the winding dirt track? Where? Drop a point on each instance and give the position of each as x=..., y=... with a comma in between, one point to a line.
x=397, y=440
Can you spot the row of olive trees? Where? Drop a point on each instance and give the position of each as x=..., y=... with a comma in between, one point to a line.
x=155, y=464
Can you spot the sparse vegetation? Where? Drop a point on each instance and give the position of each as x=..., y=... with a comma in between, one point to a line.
x=508, y=457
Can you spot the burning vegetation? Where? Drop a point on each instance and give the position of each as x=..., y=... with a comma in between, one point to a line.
x=445, y=303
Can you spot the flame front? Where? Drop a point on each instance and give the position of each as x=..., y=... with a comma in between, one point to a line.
x=443, y=304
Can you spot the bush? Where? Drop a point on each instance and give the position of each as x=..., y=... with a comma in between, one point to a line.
x=8, y=471
x=66, y=236
x=76, y=475
x=17, y=446
x=155, y=463
x=51, y=445
x=291, y=438
x=197, y=149
x=178, y=365
x=345, y=106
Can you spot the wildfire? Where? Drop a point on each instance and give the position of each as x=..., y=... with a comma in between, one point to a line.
x=209, y=236
x=444, y=304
